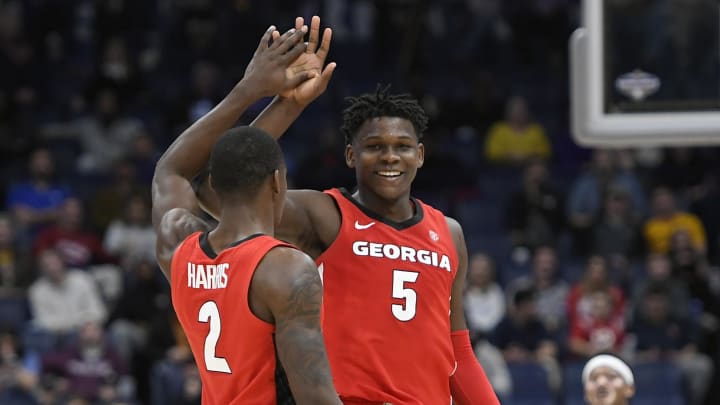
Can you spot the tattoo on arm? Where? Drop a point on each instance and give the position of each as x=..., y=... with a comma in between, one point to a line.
x=300, y=342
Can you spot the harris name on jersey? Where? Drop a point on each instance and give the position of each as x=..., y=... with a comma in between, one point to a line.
x=207, y=276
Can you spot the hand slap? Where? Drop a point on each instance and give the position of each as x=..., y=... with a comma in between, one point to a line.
x=266, y=72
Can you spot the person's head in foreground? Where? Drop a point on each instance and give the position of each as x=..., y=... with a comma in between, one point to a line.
x=607, y=381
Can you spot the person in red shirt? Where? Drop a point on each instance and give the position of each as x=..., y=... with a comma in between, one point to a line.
x=601, y=331
x=78, y=246
x=248, y=303
x=393, y=267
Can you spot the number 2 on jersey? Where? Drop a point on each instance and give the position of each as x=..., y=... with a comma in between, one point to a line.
x=404, y=312
x=209, y=312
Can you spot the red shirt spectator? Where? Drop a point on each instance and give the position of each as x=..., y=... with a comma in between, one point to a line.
x=78, y=246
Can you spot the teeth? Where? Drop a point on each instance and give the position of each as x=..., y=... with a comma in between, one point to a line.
x=389, y=173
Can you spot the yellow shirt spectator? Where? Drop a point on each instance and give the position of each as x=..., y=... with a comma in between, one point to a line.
x=659, y=231
x=506, y=144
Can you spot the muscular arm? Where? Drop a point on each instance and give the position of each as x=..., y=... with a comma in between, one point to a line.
x=276, y=118
x=288, y=286
x=175, y=204
x=469, y=384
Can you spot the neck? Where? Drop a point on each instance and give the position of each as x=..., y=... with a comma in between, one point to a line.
x=238, y=223
x=397, y=210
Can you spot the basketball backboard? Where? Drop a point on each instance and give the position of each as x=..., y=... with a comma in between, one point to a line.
x=646, y=72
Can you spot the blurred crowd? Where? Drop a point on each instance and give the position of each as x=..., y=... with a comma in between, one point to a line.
x=572, y=251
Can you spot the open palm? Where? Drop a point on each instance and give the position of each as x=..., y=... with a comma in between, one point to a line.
x=312, y=61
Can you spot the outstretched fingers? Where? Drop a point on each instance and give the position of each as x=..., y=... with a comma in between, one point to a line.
x=327, y=74
x=265, y=40
x=289, y=39
x=314, y=34
x=325, y=45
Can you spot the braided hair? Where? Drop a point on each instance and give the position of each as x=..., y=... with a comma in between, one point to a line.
x=382, y=104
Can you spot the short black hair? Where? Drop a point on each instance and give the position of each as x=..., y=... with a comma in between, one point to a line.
x=382, y=104
x=523, y=295
x=241, y=161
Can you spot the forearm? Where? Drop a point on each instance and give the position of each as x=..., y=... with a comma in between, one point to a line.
x=191, y=150
x=277, y=117
x=302, y=353
x=469, y=385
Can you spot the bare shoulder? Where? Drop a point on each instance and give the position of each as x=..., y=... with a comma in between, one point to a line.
x=311, y=220
x=455, y=229
x=284, y=269
x=174, y=227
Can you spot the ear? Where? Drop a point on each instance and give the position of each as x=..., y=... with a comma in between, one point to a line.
x=210, y=182
x=276, y=182
x=629, y=391
x=349, y=156
x=421, y=155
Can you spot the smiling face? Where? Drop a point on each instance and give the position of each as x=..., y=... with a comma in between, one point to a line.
x=606, y=386
x=385, y=154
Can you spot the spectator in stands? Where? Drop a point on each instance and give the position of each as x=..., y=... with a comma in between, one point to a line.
x=15, y=261
x=90, y=368
x=36, y=202
x=105, y=136
x=550, y=290
x=144, y=155
x=484, y=299
x=116, y=71
x=602, y=331
x=658, y=272
x=667, y=219
x=689, y=266
x=664, y=337
x=585, y=201
x=144, y=305
x=61, y=299
x=535, y=214
x=684, y=171
x=174, y=378
x=518, y=138
x=132, y=238
x=582, y=295
x=78, y=246
x=19, y=371
x=522, y=337
x=108, y=202
x=616, y=234
x=198, y=98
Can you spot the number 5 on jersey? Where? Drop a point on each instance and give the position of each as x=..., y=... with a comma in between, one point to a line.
x=209, y=312
x=401, y=278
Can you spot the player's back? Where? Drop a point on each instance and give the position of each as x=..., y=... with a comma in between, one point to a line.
x=233, y=349
x=386, y=303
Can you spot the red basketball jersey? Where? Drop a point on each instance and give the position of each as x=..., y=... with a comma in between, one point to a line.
x=234, y=350
x=386, y=303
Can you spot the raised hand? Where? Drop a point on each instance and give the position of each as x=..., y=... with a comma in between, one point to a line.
x=311, y=62
x=268, y=72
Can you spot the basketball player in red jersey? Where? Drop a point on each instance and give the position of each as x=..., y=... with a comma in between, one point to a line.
x=394, y=268
x=248, y=303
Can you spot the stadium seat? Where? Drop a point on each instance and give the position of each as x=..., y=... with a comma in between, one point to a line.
x=14, y=313
x=480, y=216
x=660, y=382
x=573, y=391
x=530, y=385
